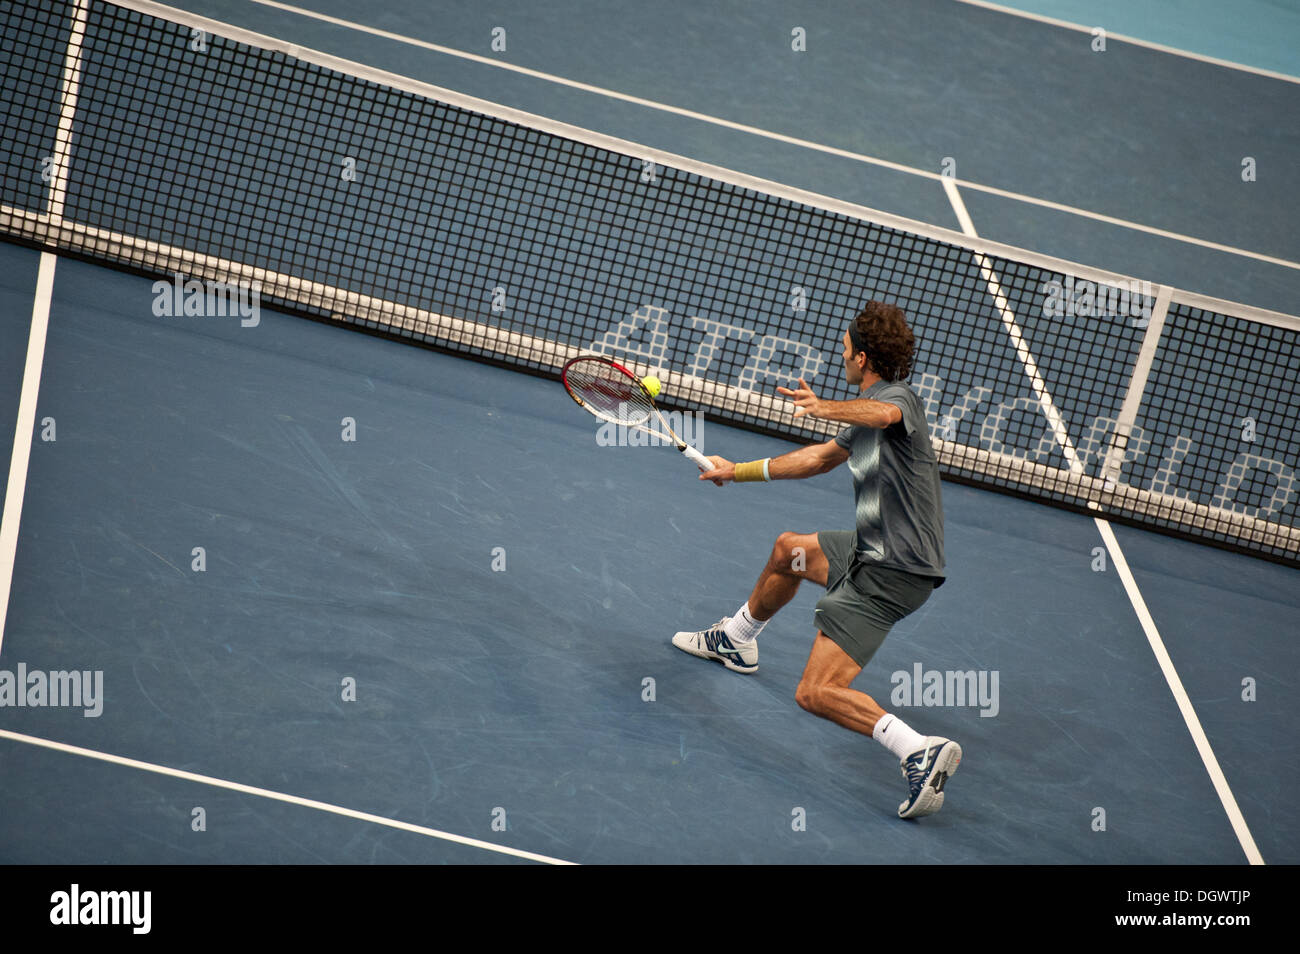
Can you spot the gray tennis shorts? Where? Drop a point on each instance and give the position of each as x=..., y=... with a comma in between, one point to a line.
x=860, y=607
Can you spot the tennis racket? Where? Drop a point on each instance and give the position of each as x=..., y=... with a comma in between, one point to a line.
x=613, y=393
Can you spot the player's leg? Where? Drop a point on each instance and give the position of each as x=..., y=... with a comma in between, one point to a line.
x=926, y=761
x=855, y=615
x=795, y=557
x=824, y=689
x=733, y=640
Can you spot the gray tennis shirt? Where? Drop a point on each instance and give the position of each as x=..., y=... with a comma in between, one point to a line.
x=896, y=479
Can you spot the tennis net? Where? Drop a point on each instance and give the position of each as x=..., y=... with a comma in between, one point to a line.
x=153, y=139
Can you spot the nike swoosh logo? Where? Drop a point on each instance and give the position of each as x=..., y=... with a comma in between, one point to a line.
x=923, y=763
x=724, y=649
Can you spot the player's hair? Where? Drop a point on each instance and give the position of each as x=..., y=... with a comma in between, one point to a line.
x=881, y=332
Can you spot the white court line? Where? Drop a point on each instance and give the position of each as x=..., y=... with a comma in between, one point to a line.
x=1193, y=723
x=68, y=112
x=22, y=450
x=1137, y=386
x=1211, y=763
x=278, y=797
x=764, y=133
x=31, y=386
x=1012, y=324
x=1159, y=47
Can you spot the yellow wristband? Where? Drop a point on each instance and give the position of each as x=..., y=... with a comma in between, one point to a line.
x=754, y=470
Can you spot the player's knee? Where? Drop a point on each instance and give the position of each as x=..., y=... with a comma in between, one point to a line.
x=783, y=551
x=806, y=695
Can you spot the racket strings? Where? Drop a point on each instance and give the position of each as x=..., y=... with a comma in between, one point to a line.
x=608, y=392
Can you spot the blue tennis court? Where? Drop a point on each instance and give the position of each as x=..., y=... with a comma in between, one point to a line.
x=343, y=599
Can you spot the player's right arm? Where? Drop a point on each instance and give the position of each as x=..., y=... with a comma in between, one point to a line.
x=805, y=462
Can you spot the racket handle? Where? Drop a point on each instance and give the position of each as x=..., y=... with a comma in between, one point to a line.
x=702, y=462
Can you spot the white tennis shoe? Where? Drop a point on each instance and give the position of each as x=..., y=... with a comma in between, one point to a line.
x=713, y=643
x=926, y=771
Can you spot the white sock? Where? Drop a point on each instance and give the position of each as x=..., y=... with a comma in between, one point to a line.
x=742, y=627
x=897, y=736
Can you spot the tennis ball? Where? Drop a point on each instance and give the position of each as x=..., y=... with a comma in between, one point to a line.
x=652, y=385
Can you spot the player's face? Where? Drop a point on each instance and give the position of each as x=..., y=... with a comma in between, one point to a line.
x=852, y=366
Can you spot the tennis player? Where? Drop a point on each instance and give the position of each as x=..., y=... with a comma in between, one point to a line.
x=874, y=576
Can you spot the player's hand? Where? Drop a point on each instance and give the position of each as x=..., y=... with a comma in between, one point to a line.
x=805, y=402
x=723, y=471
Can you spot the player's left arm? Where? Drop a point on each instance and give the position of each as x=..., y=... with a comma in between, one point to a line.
x=861, y=411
